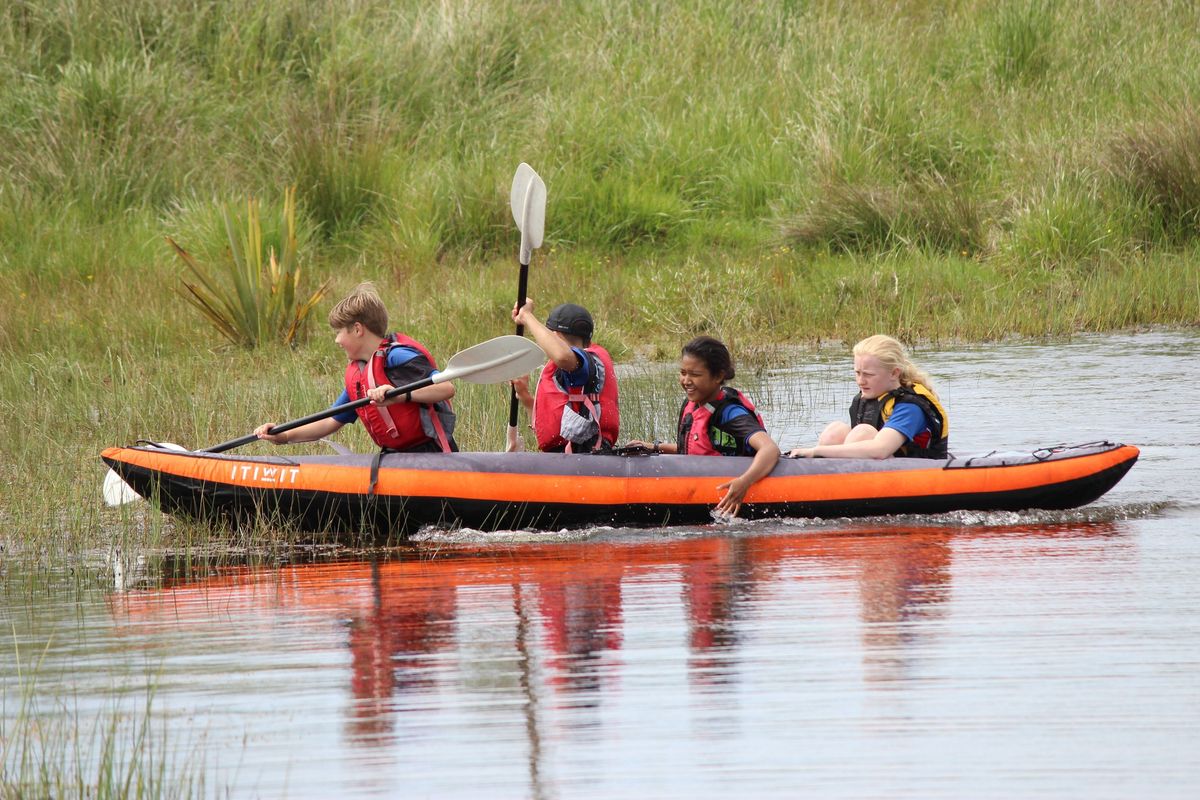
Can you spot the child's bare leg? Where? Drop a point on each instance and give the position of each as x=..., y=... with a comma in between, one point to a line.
x=861, y=433
x=834, y=433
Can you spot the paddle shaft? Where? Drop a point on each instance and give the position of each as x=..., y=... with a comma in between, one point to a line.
x=522, y=288
x=320, y=415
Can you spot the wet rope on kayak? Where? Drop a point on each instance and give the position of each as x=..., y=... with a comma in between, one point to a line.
x=1043, y=453
x=1040, y=454
x=628, y=451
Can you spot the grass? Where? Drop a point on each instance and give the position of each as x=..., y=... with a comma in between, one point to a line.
x=53, y=748
x=774, y=174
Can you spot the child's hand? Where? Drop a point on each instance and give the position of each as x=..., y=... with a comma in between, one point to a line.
x=649, y=447
x=731, y=503
x=520, y=314
x=521, y=387
x=263, y=432
x=376, y=395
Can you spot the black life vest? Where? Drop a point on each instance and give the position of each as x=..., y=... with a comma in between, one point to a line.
x=876, y=412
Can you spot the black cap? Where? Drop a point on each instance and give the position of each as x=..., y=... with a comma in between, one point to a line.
x=571, y=319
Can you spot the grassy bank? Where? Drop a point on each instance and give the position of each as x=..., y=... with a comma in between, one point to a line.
x=1038, y=132
x=773, y=174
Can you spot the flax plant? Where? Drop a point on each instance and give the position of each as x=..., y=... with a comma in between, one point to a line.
x=253, y=297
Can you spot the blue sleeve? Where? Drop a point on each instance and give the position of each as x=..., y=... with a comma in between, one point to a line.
x=731, y=412
x=741, y=425
x=579, y=376
x=346, y=417
x=908, y=419
x=407, y=365
x=399, y=356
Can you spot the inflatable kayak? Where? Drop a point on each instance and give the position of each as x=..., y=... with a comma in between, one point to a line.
x=400, y=492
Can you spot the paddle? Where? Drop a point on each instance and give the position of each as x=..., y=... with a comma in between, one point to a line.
x=528, y=201
x=493, y=361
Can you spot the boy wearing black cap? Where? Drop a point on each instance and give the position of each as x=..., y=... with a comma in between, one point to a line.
x=575, y=408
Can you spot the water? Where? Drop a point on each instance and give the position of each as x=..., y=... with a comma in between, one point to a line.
x=1043, y=654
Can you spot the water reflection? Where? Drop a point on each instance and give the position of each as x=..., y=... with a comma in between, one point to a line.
x=564, y=606
x=581, y=615
x=902, y=579
x=717, y=586
x=390, y=641
x=977, y=654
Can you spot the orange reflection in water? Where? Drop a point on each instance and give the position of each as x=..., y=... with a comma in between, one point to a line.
x=401, y=613
x=389, y=644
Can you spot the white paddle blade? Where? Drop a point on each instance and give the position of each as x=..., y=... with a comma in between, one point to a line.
x=494, y=361
x=117, y=492
x=535, y=222
x=528, y=202
x=520, y=184
x=515, y=444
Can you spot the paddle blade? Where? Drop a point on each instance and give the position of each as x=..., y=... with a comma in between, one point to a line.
x=515, y=444
x=117, y=492
x=494, y=361
x=528, y=202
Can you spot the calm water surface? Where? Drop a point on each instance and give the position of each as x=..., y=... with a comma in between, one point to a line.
x=967, y=655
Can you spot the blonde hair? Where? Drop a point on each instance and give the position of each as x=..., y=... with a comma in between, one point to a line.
x=363, y=306
x=893, y=355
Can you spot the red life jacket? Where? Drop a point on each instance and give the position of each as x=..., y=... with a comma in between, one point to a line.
x=398, y=426
x=550, y=400
x=695, y=422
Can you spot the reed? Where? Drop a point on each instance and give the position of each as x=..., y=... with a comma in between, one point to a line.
x=401, y=122
x=1158, y=164
x=53, y=748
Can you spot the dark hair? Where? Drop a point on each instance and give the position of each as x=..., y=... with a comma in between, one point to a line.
x=713, y=353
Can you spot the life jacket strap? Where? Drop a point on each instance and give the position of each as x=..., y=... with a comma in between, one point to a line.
x=442, y=438
x=384, y=411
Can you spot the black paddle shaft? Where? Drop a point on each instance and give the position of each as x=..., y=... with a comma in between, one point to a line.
x=320, y=415
x=522, y=287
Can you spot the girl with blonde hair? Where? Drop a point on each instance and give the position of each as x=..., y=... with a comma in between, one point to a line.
x=896, y=411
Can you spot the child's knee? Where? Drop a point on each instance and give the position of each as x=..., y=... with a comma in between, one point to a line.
x=834, y=433
x=861, y=433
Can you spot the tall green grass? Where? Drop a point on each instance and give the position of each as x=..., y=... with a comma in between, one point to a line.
x=671, y=124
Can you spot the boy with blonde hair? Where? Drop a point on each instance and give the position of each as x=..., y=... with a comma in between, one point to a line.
x=419, y=421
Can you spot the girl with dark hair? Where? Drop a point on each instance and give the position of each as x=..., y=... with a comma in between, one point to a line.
x=718, y=420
